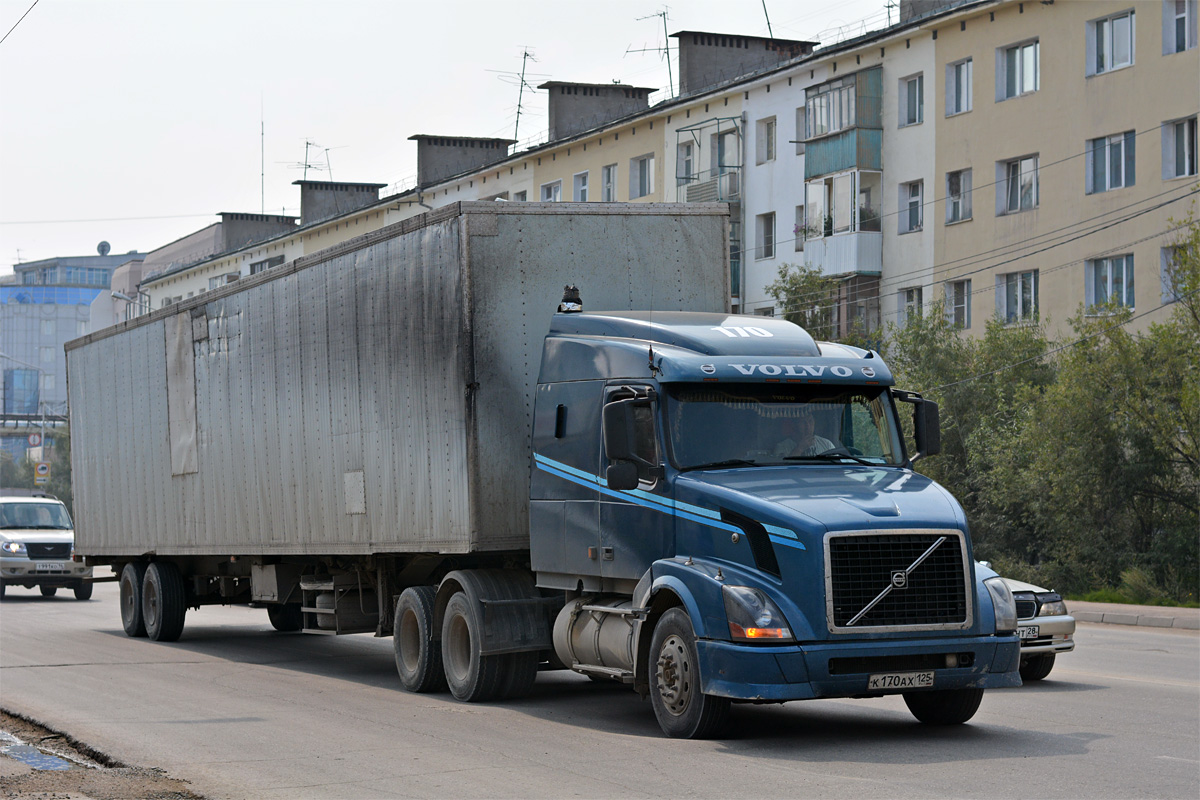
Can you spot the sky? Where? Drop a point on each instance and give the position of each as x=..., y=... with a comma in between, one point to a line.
x=137, y=121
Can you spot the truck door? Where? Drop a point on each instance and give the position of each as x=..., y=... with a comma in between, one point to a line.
x=636, y=527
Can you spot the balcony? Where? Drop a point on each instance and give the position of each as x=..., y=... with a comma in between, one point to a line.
x=724, y=187
x=843, y=253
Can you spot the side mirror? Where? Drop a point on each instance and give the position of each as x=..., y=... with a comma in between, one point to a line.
x=622, y=475
x=927, y=428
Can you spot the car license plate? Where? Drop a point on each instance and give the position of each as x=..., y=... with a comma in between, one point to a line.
x=1027, y=632
x=901, y=680
x=46, y=566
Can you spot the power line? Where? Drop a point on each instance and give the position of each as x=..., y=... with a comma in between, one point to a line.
x=18, y=22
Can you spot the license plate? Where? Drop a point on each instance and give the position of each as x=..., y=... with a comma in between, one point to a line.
x=901, y=680
x=1027, y=632
x=47, y=566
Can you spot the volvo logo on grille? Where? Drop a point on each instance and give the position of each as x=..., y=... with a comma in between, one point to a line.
x=900, y=579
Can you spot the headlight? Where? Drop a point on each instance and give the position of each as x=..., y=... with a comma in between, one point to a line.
x=1051, y=605
x=752, y=616
x=17, y=548
x=1003, y=604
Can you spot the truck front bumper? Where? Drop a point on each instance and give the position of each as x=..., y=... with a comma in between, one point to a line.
x=803, y=672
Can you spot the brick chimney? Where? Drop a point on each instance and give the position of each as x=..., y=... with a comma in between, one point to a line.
x=577, y=107
x=324, y=199
x=239, y=229
x=706, y=59
x=440, y=157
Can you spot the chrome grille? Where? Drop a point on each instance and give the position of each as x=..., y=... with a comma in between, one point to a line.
x=864, y=570
x=50, y=550
x=1026, y=606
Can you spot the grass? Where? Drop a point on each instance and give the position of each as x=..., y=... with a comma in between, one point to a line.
x=1116, y=596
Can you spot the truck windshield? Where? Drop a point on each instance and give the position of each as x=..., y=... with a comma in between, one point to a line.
x=735, y=425
x=34, y=516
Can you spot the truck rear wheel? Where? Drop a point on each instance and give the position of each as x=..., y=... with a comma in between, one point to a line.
x=683, y=711
x=164, y=602
x=944, y=706
x=132, y=577
x=472, y=677
x=418, y=656
x=286, y=617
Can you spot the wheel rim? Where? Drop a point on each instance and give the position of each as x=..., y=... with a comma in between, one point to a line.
x=128, y=604
x=410, y=641
x=674, y=675
x=458, y=662
x=150, y=602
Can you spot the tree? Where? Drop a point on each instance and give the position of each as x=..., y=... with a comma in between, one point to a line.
x=807, y=298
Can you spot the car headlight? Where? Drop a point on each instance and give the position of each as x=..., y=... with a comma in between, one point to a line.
x=1050, y=604
x=1003, y=604
x=16, y=548
x=752, y=616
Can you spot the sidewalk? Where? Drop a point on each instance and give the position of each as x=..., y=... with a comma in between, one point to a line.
x=1145, y=616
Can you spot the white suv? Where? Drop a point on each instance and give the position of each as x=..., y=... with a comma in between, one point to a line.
x=37, y=538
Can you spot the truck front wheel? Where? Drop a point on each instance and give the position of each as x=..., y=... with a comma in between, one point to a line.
x=132, y=577
x=472, y=677
x=683, y=711
x=418, y=656
x=945, y=706
x=164, y=601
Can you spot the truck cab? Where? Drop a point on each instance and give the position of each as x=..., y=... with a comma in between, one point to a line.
x=731, y=510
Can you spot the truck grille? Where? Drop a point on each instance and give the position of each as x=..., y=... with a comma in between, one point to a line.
x=52, y=550
x=930, y=593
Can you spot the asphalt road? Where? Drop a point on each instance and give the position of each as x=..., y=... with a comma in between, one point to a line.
x=240, y=711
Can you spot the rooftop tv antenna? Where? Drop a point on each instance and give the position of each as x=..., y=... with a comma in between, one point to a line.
x=665, y=49
x=768, y=16
x=522, y=85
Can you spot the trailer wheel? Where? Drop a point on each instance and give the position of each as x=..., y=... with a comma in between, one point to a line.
x=472, y=677
x=1037, y=667
x=83, y=590
x=132, y=578
x=944, y=706
x=418, y=656
x=286, y=617
x=683, y=711
x=164, y=601
x=517, y=673
x=48, y=591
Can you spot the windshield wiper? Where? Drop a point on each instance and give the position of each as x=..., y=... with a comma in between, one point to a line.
x=732, y=462
x=831, y=457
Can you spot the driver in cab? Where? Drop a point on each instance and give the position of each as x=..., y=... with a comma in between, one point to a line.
x=800, y=438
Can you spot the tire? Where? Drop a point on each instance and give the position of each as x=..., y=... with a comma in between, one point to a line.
x=83, y=590
x=945, y=706
x=471, y=677
x=286, y=617
x=48, y=591
x=132, y=578
x=2, y=588
x=1037, y=667
x=164, y=602
x=418, y=655
x=518, y=672
x=683, y=712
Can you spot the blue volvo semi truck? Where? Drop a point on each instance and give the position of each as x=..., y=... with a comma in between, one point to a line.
x=401, y=435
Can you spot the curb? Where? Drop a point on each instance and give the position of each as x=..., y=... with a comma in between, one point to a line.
x=1133, y=615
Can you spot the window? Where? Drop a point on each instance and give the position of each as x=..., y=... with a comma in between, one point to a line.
x=1110, y=162
x=46, y=355
x=1179, y=148
x=1178, y=25
x=1018, y=184
x=216, y=283
x=830, y=107
x=1017, y=296
x=520, y=197
x=909, y=305
x=958, y=87
x=581, y=187
x=958, y=195
x=685, y=163
x=608, y=183
x=829, y=206
x=49, y=383
x=641, y=176
x=910, y=206
x=552, y=192
x=259, y=266
x=799, y=137
x=798, y=231
x=912, y=100
x=1110, y=280
x=769, y=311
x=764, y=230
x=1110, y=43
x=1017, y=70
x=764, y=141
x=47, y=327
x=958, y=304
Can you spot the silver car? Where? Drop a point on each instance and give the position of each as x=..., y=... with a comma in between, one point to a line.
x=37, y=540
x=1045, y=628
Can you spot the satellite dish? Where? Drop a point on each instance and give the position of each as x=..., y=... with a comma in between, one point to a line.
x=103, y=248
